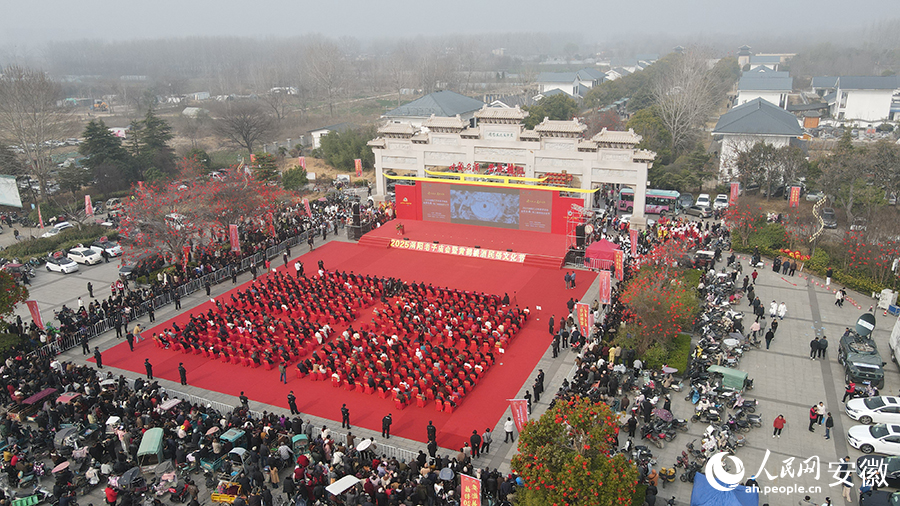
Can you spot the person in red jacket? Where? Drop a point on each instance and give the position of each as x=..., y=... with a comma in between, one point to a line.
x=778, y=424
x=111, y=496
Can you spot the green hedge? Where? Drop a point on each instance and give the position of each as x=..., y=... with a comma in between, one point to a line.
x=769, y=238
x=42, y=246
x=680, y=352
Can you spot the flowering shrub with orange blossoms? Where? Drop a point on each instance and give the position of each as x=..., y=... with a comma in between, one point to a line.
x=660, y=304
x=565, y=458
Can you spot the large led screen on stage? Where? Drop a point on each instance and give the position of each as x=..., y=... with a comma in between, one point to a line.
x=485, y=206
x=488, y=206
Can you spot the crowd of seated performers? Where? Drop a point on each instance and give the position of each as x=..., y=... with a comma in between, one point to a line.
x=427, y=344
x=277, y=319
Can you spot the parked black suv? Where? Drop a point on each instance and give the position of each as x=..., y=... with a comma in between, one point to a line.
x=861, y=360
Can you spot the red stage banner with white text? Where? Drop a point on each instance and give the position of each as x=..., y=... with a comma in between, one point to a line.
x=471, y=490
x=620, y=265
x=735, y=192
x=633, y=236
x=35, y=313
x=306, y=205
x=235, y=238
x=582, y=315
x=88, y=206
x=302, y=161
x=358, y=164
x=463, y=251
x=605, y=279
x=519, y=409
x=795, y=196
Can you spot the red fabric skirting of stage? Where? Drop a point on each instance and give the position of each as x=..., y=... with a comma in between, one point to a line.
x=501, y=239
x=482, y=408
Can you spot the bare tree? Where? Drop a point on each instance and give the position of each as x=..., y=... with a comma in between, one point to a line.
x=395, y=70
x=328, y=68
x=684, y=93
x=245, y=123
x=31, y=117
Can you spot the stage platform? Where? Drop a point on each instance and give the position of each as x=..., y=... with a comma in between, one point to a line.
x=540, y=249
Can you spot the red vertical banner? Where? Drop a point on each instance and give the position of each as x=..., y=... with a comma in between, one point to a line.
x=235, y=238
x=605, y=279
x=88, y=206
x=519, y=409
x=302, y=161
x=795, y=196
x=470, y=490
x=40, y=216
x=620, y=265
x=35, y=313
x=306, y=205
x=270, y=219
x=633, y=236
x=186, y=253
x=252, y=158
x=358, y=164
x=582, y=312
x=735, y=192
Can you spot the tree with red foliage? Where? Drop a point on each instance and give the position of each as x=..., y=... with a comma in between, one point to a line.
x=660, y=304
x=743, y=220
x=565, y=458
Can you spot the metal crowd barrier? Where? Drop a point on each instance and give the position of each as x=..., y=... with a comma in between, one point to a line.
x=72, y=340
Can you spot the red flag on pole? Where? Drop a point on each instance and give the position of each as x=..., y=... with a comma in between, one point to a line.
x=582, y=311
x=795, y=196
x=471, y=490
x=88, y=206
x=735, y=192
x=519, y=412
x=633, y=235
x=605, y=279
x=40, y=217
x=270, y=219
x=620, y=265
x=302, y=161
x=186, y=250
x=358, y=163
x=235, y=238
x=35, y=313
x=306, y=205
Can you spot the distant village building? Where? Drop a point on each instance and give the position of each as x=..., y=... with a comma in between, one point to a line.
x=315, y=136
x=574, y=84
x=442, y=104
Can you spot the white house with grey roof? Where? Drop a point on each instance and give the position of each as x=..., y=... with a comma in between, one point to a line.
x=769, y=85
x=863, y=98
x=575, y=84
x=441, y=104
x=747, y=124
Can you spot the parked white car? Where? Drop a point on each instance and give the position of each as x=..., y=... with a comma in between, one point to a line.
x=112, y=249
x=55, y=229
x=721, y=202
x=878, y=438
x=703, y=200
x=884, y=409
x=85, y=256
x=64, y=265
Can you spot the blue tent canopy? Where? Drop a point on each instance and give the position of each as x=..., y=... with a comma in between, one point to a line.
x=705, y=495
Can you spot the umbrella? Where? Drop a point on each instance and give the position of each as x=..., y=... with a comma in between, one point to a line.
x=730, y=342
x=212, y=431
x=130, y=477
x=669, y=370
x=107, y=383
x=664, y=414
x=164, y=467
x=736, y=335
x=446, y=474
x=342, y=485
x=364, y=444
x=60, y=439
x=60, y=467
x=323, y=199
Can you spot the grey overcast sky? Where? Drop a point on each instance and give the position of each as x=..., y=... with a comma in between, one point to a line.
x=31, y=22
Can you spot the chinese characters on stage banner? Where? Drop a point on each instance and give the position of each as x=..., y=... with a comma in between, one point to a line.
x=633, y=236
x=735, y=191
x=235, y=238
x=465, y=251
x=35, y=313
x=306, y=205
x=358, y=164
x=88, y=206
x=620, y=265
x=519, y=409
x=471, y=490
x=582, y=312
x=795, y=196
x=605, y=279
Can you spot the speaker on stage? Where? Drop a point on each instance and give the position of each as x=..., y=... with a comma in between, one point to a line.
x=355, y=209
x=579, y=236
